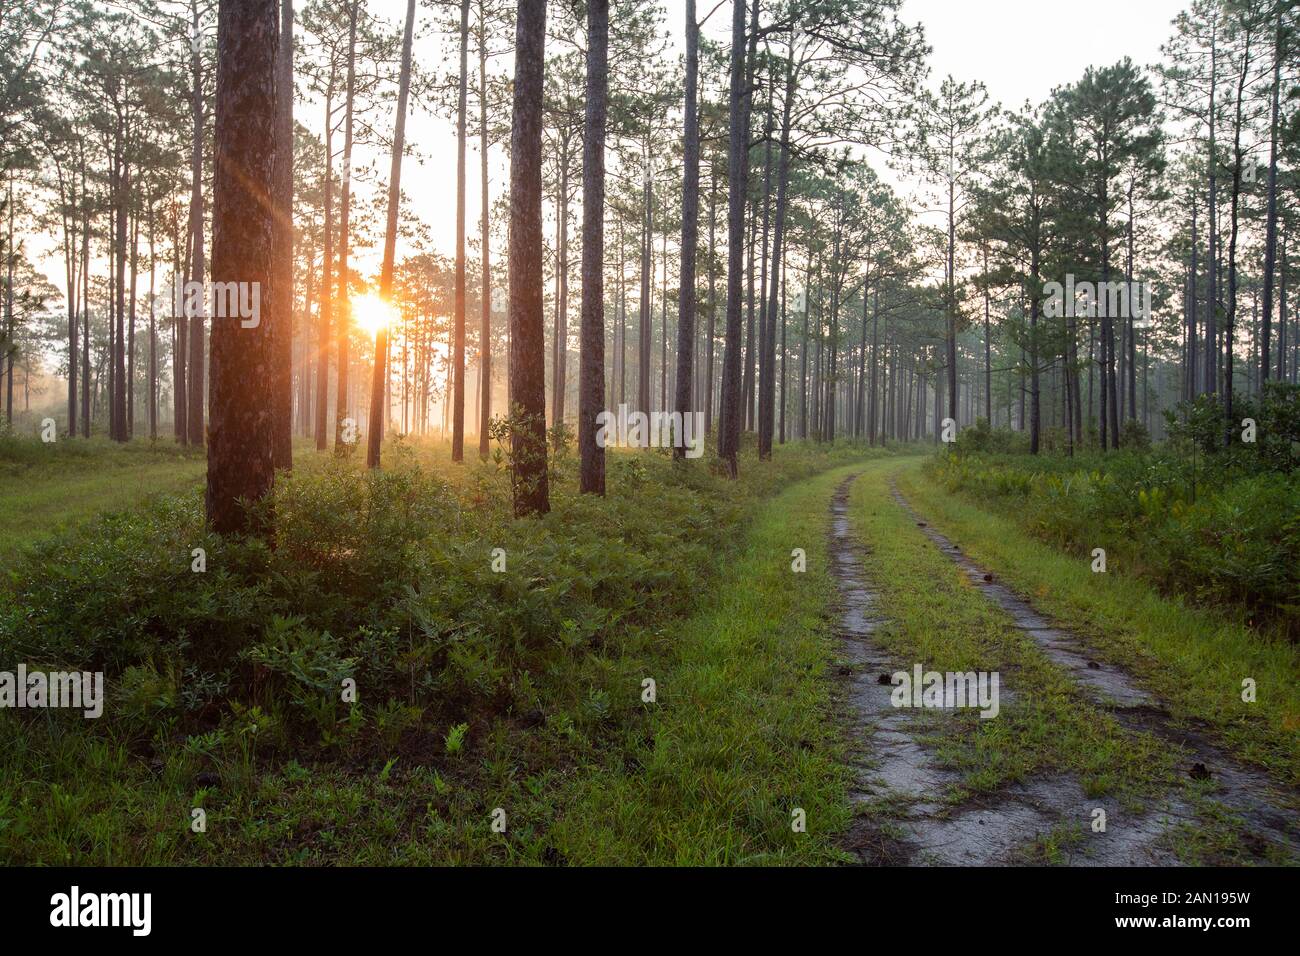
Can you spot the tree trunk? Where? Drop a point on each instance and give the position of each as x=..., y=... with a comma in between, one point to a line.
x=713, y=300
x=643, y=328
x=737, y=189
x=767, y=398
x=560, y=340
x=327, y=268
x=196, y=377
x=1270, y=241
x=690, y=232
x=527, y=335
x=591, y=372
x=118, y=414
x=281, y=296
x=129, y=419
x=375, y=429
x=1211, y=341
x=153, y=333
x=241, y=456
x=485, y=292
x=458, y=347
x=344, y=295
x=1230, y=319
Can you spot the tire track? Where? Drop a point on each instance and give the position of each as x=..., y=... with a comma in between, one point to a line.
x=899, y=785
x=1249, y=792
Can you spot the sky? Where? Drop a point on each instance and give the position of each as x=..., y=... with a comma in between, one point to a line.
x=1022, y=49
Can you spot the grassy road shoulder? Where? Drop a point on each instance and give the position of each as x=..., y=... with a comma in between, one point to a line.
x=744, y=731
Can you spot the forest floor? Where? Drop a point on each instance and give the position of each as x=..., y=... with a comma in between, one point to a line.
x=771, y=737
x=44, y=494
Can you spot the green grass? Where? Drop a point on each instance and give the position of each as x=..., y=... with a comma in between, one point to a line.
x=1191, y=658
x=744, y=731
x=48, y=489
x=745, y=728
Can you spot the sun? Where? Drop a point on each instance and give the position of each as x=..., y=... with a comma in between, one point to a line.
x=372, y=313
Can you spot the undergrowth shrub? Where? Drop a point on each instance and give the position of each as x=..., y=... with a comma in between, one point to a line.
x=1218, y=521
x=386, y=578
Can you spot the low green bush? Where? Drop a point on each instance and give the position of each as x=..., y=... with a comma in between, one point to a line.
x=386, y=578
x=1218, y=521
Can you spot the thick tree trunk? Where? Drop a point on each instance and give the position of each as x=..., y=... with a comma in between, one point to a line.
x=737, y=186
x=591, y=372
x=458, y=346
x=527, y=335
x=344, y=294
x=241, y=455
x=281, y=290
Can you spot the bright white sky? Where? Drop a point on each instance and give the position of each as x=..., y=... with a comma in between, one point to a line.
x=1022, y=49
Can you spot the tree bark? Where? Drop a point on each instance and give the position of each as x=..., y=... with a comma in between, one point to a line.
x=767, y=396
x=281, y=296
x=375, y=428
x=323, y=317
x=737, y=190
x=195, y=379
x=527, y=335
x=458, y=347
x=690, y=231
x=241, y=456
x=591, y=372
x=485, y=292
x=344, y=294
